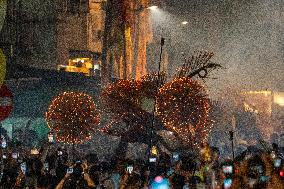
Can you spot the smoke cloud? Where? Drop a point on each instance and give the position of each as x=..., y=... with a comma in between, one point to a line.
x=246, y=37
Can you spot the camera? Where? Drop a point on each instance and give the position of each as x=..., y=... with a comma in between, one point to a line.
x=70, y=170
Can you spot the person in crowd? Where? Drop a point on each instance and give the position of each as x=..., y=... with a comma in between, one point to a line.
x=10, y=173
x=105, y=176
x=131, y=178
x=53, y=169
x=117, y=173
x=101, y=175
x=78, y=178
x=178, y=179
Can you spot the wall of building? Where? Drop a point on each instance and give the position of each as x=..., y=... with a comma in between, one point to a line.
x=96, y=19
x=80, y=31
x=35, y=33
x=71, y=35
x=43, y=31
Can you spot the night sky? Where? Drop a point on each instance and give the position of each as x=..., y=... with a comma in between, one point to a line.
x=245, y=35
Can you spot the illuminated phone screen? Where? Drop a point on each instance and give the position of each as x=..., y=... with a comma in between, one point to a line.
x=129, y=169
x=228, y=169
x=46, y=166
x=15, y=155
x=24, y=167
x=175, y=157
x=277, y=162
x=50, y=138
x=70, y=170
x=228, y=183
x=152, y=160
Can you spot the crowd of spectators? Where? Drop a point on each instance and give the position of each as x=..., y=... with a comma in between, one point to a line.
x=180, y=170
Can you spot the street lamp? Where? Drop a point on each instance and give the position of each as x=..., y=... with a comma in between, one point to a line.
x=151, y=129
x=184, y=22
x=153, y=7
x=153, y=4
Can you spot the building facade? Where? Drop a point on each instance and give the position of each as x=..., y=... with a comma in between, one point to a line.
x=41, y=34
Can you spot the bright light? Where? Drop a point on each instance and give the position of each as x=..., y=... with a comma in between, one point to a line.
x=279, y=99
x=281, y=173
x=158, y=179
x=184, y=22
x=154, y=150
x=264, y=92
x=154, y=7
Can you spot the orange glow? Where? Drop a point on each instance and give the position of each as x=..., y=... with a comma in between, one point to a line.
x=265, y=93
x=279, y=99
x=267, y=105
x=129, y=55
x=248, y=108
x=79, y=65
x=258, y=102
x=144, y=35
x=154, y=150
